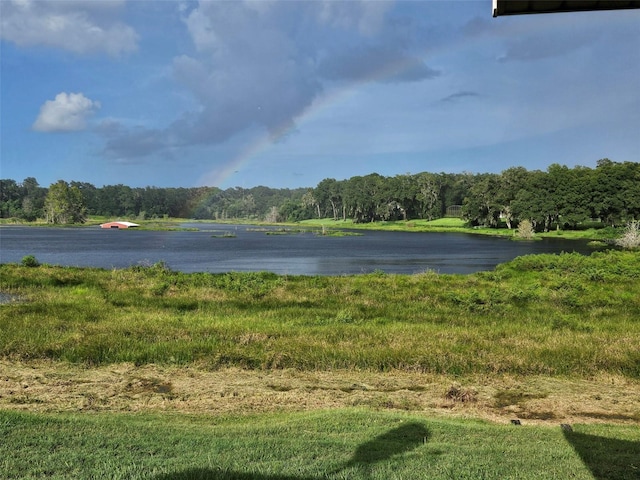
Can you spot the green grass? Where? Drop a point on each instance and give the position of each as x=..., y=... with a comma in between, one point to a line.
x=549, y=314
x=440, y=222
x=458, y=225
x=446, y=222
x=350, y=443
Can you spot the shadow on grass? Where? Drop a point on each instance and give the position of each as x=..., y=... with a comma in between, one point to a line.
x=607, y=458
x=397, y=441
x=394, y=442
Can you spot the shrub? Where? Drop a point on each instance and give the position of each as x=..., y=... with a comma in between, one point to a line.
x=631, y=236
x=525, y=230
x=30, y=261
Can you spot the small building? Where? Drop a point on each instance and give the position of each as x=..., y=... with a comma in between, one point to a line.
x=119, y=225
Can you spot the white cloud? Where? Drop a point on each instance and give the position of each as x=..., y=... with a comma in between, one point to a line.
x=80, y=27
x=66, y=113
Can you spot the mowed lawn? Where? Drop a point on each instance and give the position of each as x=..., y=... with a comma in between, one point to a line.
x=353, y=444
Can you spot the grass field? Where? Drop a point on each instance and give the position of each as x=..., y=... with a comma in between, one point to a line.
x=149, y=373
x=549, y=314
x=345, y=444
x=459, y=226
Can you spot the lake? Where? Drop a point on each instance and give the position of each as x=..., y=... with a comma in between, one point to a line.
x=252, y=249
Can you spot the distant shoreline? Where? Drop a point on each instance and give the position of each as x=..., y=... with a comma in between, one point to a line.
x=605, y=235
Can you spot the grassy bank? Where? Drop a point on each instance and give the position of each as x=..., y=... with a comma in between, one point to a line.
x=457, y=225
x=548, y=314
x=352, y=444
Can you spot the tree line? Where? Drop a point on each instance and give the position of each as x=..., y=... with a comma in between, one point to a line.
x=559, y=197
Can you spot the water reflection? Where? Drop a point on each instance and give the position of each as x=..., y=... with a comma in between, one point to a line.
x=251, y=249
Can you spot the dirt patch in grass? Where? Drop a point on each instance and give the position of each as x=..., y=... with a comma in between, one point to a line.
x=55, y=387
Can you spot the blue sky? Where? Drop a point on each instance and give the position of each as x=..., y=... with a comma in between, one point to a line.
x=287, y=93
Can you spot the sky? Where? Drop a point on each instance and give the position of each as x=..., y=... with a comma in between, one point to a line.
x=287, y=93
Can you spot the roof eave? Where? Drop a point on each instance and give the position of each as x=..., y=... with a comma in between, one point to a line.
x=523, y=7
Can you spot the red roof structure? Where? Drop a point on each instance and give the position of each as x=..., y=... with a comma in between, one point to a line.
x=119, y=225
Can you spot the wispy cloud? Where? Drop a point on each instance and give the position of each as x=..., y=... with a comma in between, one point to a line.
x=80, y=27
x=458, y=96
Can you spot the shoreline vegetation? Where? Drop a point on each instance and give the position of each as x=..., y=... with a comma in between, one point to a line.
x=602, y=235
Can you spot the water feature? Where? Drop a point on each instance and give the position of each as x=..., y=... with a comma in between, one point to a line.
x=222, y=248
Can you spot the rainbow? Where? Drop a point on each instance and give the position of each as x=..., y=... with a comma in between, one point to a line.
x=217, y=176
x=263, y=141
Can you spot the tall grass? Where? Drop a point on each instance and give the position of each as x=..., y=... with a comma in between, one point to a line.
x=547, y=314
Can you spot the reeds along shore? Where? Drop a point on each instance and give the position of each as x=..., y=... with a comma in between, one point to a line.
x=546, y=314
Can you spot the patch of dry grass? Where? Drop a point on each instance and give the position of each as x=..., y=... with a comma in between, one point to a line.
x=62, y=387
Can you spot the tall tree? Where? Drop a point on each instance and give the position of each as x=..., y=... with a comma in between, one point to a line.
x=536, y=202
x=32, y=199
x=429, y=187
x=616, y=191
x=481, y=207
x=510, y=182
x=9, y=198
x=90, y=196
x=328, y=193
x=64, y=204
x=309, y=200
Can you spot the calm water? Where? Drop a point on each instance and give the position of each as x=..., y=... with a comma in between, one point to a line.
x=296, y=254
